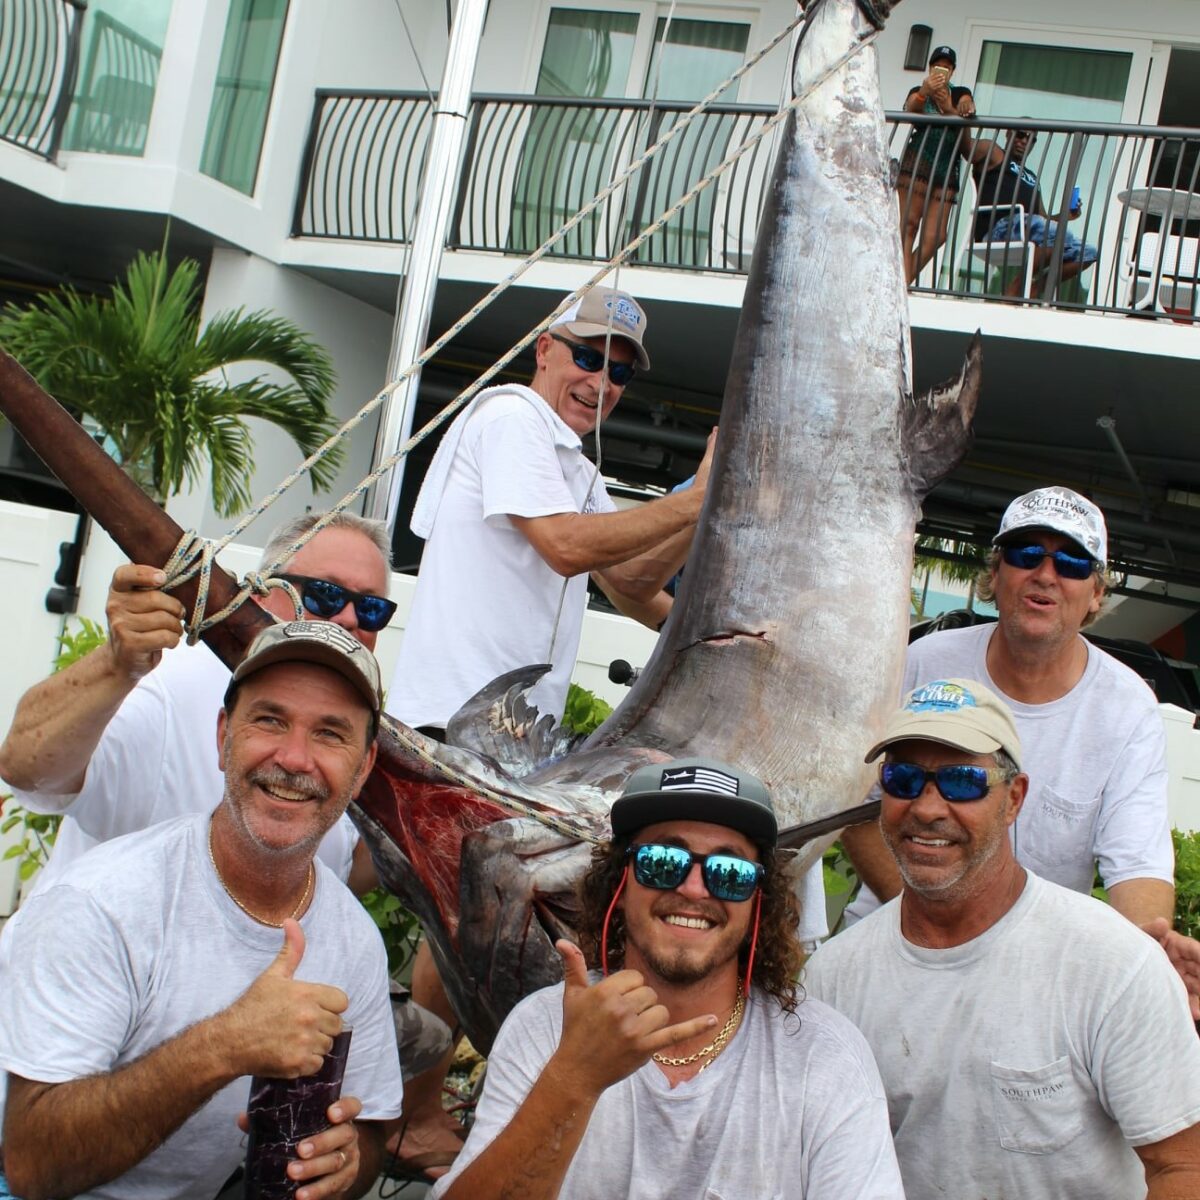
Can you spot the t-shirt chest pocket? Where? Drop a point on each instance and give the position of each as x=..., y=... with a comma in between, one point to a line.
x=1060, y=831
x=1038, y=1109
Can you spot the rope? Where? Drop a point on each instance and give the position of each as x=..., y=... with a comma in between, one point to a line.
x=436, y=347
x=195, y=555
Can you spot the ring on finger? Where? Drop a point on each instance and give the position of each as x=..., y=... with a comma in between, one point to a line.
x=341, y=1160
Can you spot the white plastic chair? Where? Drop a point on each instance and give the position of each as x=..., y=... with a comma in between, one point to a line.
x=1017, y=251
x=1165, y=273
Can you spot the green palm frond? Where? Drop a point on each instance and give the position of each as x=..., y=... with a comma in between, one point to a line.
x=969, y=559
x=138, y=365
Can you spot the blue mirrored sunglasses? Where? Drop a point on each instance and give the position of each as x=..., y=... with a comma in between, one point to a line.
x=957, y=783
x=1069, y=566
x=726, y=876
x=588, y=358
x=325, y=600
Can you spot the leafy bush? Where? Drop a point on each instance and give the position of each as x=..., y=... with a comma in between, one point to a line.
x=585, y=710
x=1187, y=882
x=38, y=830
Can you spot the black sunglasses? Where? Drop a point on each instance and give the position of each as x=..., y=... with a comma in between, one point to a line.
x=957, y=782
x=664, y=868
x=588, y=358
x=1069, y=566
x=1027, y=134
x=325, y=600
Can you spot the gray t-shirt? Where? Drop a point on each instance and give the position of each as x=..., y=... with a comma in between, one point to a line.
x=137, y=941
x=1097, y=765
x=791, y=1109
x=1027, y=1063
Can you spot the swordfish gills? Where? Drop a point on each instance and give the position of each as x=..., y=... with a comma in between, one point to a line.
x=784, y=651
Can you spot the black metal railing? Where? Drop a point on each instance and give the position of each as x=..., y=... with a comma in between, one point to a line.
x=1102, y=218
x=115, y=97
x=531, y=162
x=39, y=56
x=362, y=166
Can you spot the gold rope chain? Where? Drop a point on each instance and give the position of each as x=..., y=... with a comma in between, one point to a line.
x=308, y=887
x=714, y=1047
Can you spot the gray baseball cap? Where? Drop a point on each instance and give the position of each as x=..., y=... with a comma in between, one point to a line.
x=320, y=642
x=592, y=314
x=958, y=713
x=695, y=789
x=1061, y=511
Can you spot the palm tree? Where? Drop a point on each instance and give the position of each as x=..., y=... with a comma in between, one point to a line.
x=138, y=366
x=964, y=567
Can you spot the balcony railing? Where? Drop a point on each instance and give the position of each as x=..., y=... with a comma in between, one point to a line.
x=39, y=55
x=111, y=114
x=532, y=162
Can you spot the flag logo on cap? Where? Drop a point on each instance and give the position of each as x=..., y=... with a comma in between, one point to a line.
x=698, y=779
x=323, y=631
x=940, y=696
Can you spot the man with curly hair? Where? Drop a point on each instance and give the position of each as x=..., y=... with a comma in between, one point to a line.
x=684, y=1065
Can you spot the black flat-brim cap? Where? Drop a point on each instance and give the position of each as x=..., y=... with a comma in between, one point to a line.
x=696, y=789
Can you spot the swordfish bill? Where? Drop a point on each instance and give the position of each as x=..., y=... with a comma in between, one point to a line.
x=785, y=649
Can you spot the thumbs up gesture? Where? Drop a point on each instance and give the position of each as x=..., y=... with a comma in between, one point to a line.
x=611, y=1028
x=280, y=1026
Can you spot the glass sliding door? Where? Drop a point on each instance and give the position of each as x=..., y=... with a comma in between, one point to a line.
x=689, y=59
x=237, y=120
x=569, y=152
x=1060, y=83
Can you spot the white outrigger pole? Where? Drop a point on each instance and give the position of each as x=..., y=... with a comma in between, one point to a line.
x=434, y=208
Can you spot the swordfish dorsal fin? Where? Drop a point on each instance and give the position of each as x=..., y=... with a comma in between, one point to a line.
x=936, y=427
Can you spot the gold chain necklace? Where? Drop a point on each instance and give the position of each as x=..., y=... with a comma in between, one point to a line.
x=308, y=887
x=714, y=1047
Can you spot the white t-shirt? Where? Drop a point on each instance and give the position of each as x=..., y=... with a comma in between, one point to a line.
x=1027, y=1063
x=486, y=602
x=139, y=940
x=1096, y=761
x=791, y=1108
x=157, y=759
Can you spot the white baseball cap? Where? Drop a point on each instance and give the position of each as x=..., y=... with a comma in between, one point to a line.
x=1061, y=511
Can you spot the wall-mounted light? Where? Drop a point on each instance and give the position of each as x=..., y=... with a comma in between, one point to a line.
x=920, y=37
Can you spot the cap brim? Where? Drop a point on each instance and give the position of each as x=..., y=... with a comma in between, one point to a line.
x=1009, y=536
x=318, y=654
x=968, y=739
x=589, y=329
x=631, y=813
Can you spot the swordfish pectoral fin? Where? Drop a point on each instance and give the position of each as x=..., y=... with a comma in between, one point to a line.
x=936, y=427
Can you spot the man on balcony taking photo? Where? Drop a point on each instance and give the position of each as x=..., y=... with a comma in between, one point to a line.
x=1007, y=186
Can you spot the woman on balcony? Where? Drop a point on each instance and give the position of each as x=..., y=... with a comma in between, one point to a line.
x=930, y=168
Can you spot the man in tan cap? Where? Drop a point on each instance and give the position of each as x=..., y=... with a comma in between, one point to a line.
x=515, y=517
x=1031, y=1041
x=161, y=969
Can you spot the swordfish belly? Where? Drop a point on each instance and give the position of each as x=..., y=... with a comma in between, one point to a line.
x=785, y=649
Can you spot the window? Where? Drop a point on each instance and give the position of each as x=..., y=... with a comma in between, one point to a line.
x=241, y=102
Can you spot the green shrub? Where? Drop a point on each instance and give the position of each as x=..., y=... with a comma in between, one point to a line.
x=1187, y=882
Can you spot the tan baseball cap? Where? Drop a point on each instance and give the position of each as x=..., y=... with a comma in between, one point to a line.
x=959, y=713
x=320, y=642
x=594, y=313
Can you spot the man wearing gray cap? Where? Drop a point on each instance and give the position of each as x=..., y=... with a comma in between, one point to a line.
x=684, y=1065
x=1032, y=1043
x=1095, y=749
x=157, y=972
x=514, y=518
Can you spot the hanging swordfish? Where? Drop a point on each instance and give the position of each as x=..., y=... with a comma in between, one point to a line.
x=785, y=648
